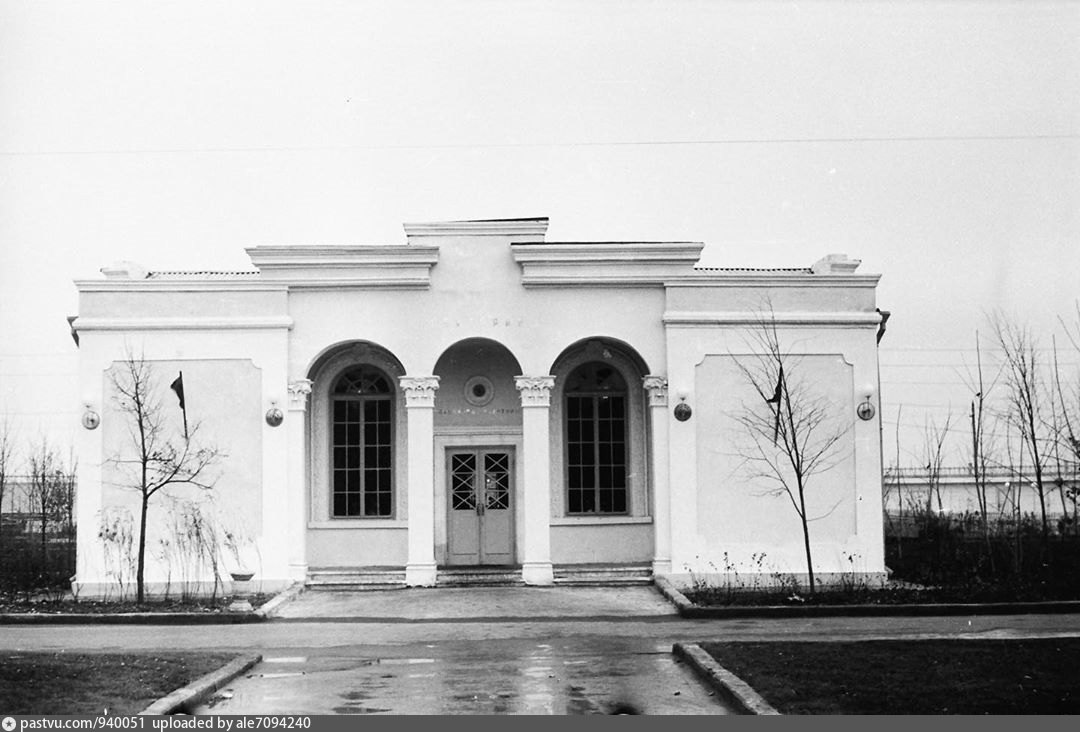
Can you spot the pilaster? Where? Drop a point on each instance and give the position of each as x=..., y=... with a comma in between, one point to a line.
x=656, y=388
x=535, y=391
x=420, y=408
x=297, y=493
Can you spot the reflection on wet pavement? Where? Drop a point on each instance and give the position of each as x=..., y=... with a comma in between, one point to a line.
x=573, y=676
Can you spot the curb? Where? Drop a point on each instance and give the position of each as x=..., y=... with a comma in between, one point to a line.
x=734, y=690
x=182, y=699
x=264, y=613
x=287, y=595
x=676, y=598
x=688, y=609
x=129, y=618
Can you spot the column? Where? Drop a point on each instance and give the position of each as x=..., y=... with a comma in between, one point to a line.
x=536, y=467
x=656, y=387
x=297, y=491
x=420, y=408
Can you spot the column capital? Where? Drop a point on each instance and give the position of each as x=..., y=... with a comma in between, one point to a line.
x=299, y=389
x=419, y=390
x=535, y=390
x=657, y=388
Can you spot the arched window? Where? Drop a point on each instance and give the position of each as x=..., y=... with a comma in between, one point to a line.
x=362, y=407
x=596, y=440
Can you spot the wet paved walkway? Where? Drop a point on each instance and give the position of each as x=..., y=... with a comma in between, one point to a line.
x=566, y=676
x=497, y=674
x=560, y=650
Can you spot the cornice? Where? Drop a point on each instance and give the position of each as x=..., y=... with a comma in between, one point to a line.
x=84, y=324
x=179, y=285
x=709, y=319
x=604, y=264
x=687, y=253
x=345, y=255
x=518, y=229
x=405, y=266
x=738, y=278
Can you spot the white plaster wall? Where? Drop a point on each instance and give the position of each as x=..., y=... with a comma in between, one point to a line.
x=234, y=374
x=716, y=509
x=593, y=541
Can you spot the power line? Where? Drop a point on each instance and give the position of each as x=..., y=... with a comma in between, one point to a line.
x=936, y=349
x=538, y=145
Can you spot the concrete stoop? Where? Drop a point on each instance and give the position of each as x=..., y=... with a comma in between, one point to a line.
x=356, y=578
x=388, y=578
x=603, y=575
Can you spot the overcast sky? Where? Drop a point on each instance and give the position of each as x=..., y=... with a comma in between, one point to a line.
x=935, y=141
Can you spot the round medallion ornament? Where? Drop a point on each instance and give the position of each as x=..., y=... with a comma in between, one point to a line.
x=274, y=416
x=479, y=391
x=90, y=419
x=865, y=411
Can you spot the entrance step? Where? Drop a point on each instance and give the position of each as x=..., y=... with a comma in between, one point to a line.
x=479, y=577
x=356, y=578
x=390, y=578
x=603, y=575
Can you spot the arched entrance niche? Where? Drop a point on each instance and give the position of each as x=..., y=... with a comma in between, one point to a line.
x=476, y=388
x=599, y=445
x=477, y=425
x=357, y=432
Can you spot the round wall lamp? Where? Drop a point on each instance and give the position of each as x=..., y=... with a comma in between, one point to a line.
x=274, y=416
x=90, y=418
x=682, y=409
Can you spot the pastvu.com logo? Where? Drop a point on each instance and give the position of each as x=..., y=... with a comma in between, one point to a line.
x=8, y=724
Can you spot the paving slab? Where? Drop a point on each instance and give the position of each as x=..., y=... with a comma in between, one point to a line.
x=479, y=604
x=596, y=675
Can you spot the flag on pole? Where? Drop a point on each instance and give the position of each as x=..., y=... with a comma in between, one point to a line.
x=178, y=387
x=776, y=400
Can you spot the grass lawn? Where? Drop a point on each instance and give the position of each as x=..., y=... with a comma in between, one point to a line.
x=96, y=683
x=1031, y=676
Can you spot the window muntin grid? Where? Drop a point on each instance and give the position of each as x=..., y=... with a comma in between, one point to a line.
x=596, y=427
x=496, y=480
x=463, y=482
x=362, y=445
x=467, y=474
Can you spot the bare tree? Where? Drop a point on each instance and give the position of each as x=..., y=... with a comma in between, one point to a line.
x=933, y=451
x=899, y=484
x=158, y=457
x=1026, y=400
x=980, y=441
x=1067, y=405
x=66, y=486
x=7, y=468
x=42, y=489
x=794, y=432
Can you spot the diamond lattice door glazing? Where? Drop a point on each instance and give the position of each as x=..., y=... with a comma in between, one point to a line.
x=480, y=521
